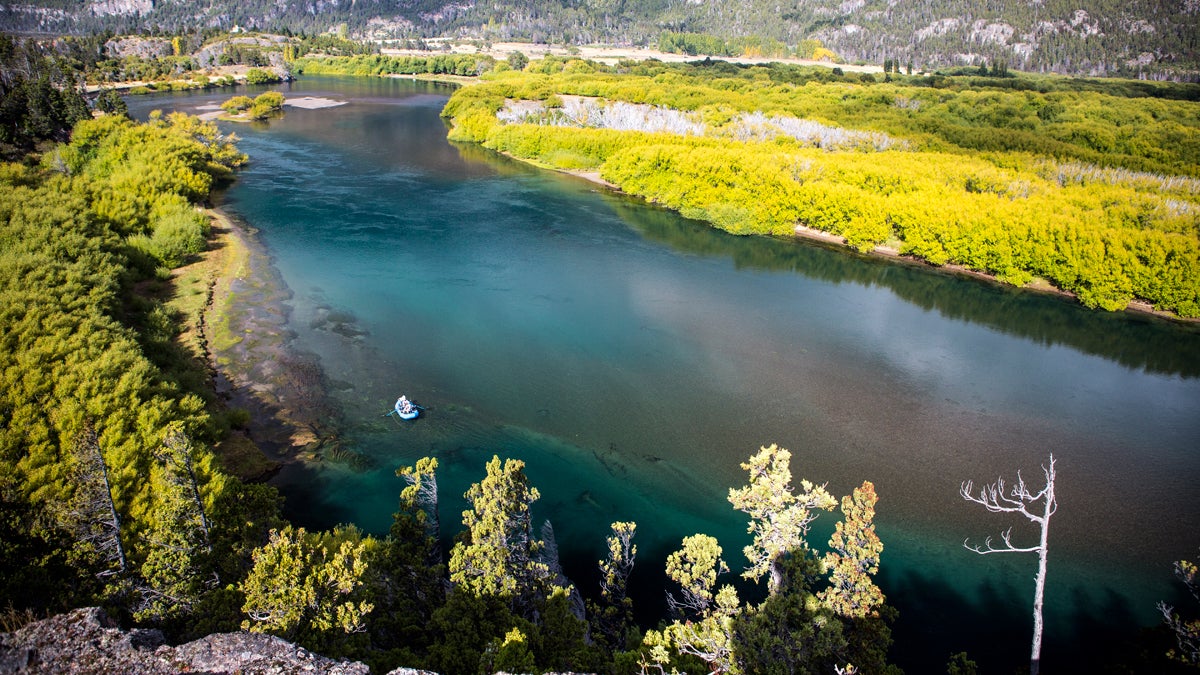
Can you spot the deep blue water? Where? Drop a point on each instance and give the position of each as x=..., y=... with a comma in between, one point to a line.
x=634, y=358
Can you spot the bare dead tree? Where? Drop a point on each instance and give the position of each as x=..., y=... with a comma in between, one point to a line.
x=996, y=498
x=178, y=455
x=93, y=515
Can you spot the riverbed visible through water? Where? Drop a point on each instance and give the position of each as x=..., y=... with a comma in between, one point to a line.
x=634, y=359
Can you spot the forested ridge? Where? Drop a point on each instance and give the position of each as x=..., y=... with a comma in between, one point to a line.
x=1098, y=37
x=1023, y=178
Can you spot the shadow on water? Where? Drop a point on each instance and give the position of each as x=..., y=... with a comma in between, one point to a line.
x=993, y=624
x=1143, y=342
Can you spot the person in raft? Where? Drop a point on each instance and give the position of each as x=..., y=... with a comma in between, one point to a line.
x=404, y=405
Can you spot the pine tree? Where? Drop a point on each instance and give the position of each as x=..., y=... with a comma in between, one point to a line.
x=177, y=569
x=706, y=630
x=854, y=557
x=779, y=517
x=304, y=584
x=408, y=580
x=613, y=615
x=499, y=556
x=92, y=514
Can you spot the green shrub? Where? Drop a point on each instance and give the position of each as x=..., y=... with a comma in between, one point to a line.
x=260, y=76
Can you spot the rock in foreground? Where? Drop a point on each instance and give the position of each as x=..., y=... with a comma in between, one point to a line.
x=87, y=641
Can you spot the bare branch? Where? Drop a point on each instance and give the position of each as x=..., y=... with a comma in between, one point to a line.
x=1019, y=499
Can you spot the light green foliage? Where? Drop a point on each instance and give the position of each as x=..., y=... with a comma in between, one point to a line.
x=442, y=64
x=260, y=76
x=695, y=568
x=68, y=363
x=612, y=617
x=794, y=630
x=854, y=557
x=513, y=654
x=178, y=567
x=304, y=582
x=72, y=368
x=706, y=630
x=237, y=104
x=779, y=516
x=419, y=499
x=1096, y=192
x=499, y=556
x=710, y=636
x=265, y=105
x=1187, y=633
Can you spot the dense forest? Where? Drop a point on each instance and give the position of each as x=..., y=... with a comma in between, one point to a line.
x=1139, y=39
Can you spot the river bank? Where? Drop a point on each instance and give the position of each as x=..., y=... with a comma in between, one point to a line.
x=1037, y=285
x=241, y=332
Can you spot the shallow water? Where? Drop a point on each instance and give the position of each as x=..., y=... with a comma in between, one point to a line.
x=634, y=359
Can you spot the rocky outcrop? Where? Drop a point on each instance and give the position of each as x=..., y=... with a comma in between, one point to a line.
x=144, y=48
x=87, y=641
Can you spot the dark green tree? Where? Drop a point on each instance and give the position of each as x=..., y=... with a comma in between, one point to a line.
x=407, y=574
x=518, y=60
x=499, y=555
x=111, y=103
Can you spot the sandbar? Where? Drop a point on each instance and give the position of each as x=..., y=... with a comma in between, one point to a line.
x=312, y=102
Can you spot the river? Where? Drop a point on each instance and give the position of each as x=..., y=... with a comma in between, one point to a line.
x=634, y=359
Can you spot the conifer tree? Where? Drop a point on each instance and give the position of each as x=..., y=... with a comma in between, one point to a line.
x=420, y=500
x=409, y=573
x=707, y=629
x=779, y=517
x=695, y=568
x=92, y=514
x=499, y=556
x=177, y=569
x=854, y=557
x=613, y=615
x=301, y=584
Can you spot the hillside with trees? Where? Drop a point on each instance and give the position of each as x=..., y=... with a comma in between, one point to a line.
x=1098, y=37
x=1092, y=189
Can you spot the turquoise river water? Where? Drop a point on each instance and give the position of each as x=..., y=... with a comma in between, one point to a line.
x=634, y=358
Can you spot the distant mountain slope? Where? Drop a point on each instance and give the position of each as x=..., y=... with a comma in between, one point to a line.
x=1148, y=38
